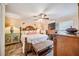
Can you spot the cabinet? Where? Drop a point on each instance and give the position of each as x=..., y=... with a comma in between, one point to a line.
x=66, y=45
x=12, y=38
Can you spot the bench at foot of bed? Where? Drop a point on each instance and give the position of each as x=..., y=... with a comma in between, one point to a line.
x=43, y=48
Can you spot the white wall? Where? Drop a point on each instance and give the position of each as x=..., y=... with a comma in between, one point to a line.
x=64, y=20
x=0, y=29
x=78, y=17
x=2, y=40
x=76, y=21
x=73, y=18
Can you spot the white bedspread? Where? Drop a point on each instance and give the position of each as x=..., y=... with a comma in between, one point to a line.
x=35, y=38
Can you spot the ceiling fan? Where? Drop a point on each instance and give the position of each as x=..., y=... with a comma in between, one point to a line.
x=44, y=13
x=41, y=16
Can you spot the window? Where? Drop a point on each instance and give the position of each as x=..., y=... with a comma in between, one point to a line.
x=65, y=24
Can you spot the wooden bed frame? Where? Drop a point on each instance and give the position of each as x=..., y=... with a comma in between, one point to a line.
x=29, y=47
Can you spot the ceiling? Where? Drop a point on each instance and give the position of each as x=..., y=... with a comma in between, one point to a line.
x=54, y=10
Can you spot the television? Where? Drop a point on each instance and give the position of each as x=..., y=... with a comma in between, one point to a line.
x=51, y=26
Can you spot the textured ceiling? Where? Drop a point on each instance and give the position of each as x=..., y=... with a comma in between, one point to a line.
x=54, y=10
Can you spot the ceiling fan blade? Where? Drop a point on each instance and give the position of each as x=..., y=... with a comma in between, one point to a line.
x=47, y=8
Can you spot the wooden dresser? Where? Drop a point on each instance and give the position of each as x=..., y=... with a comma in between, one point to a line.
x=66, y=45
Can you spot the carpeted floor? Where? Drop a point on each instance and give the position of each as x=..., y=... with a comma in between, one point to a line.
x=16, y=50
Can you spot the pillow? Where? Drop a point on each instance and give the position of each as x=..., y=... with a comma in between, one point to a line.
x=32, y=32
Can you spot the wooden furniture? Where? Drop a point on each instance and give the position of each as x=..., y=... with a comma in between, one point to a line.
x=43, y=48
x=28, y=28
x=51, y=30
x=51, y=33
x=12, y=38
x=66, y=45
x=28, y=40
x=27, y=47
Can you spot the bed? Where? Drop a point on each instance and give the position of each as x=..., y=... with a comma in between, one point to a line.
x=31, y=38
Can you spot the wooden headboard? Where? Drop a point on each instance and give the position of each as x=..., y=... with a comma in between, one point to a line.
x=28, y=28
